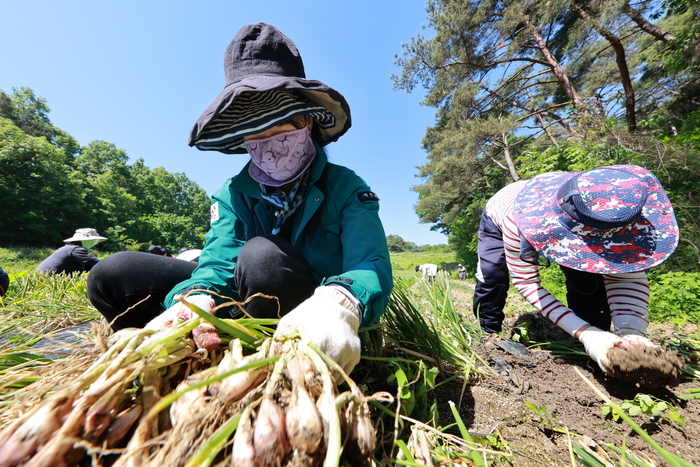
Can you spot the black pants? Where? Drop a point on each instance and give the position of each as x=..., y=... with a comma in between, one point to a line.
x=4, y=282
x=585, y=292
x=139, y=282
x=492, y=279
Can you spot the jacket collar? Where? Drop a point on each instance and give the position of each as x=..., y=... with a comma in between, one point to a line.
x=245, y=184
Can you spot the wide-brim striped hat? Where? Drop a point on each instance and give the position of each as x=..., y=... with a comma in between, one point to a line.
x=608, y=220
x=266, y=85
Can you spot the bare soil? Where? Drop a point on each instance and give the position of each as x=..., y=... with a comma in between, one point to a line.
x=496, y=405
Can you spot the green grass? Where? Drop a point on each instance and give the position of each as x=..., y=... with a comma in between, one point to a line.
x=17, y=259
x=404, y=264
x=14, y=260
x=36, y=303
x=425, y=325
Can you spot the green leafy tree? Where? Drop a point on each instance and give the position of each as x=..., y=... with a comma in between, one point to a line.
x=5, y=106
x=174, y=231
x=137, y=206
x=395, y=243
x=41, y=202
x=524, y=87
x=30, y=113
x=51, y=186
x=176, y=209
x=670, y=64
x=105, y=175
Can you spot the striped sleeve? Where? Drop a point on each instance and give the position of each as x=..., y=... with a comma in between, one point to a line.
x=526, y=276
x=628, y=296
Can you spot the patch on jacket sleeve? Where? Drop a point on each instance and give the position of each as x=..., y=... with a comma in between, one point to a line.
x=214, y=212
x=367, y=196
x=345, y=280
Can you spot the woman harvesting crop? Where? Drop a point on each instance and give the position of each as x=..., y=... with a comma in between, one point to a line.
x=292, y=226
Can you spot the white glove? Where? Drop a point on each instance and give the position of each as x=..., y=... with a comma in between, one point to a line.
x=331, y=320
x=598, y=343
x=635, y=340
x=205, y=335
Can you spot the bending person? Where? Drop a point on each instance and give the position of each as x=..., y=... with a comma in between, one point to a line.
x=603, y=226
x=429, y=270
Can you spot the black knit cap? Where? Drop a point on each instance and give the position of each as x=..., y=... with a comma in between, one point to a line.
x=158, y=250
x=265, y=83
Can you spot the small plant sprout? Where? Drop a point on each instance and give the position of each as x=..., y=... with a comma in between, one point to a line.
x=546, y=421
x=649, y=405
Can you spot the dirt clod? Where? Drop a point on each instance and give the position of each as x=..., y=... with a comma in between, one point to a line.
x=649, y=367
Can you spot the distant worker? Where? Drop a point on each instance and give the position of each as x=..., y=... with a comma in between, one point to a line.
x=75, y=256
x=159, y=250
x=189, y=254
x=462, y=271
x=4, y=282
x=429, y=270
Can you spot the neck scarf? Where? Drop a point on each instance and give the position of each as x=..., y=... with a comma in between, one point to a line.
x=285, y=204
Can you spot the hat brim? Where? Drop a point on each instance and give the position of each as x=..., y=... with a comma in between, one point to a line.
x=316, y=91
x=80, y=238
x=634, y=247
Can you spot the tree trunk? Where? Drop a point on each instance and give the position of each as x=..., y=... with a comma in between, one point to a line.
x=645, y=25
x=509, y=160
x=543, y=124
x=554, y=65
x=621, y=59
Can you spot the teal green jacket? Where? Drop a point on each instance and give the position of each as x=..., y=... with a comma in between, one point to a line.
x=345, y=243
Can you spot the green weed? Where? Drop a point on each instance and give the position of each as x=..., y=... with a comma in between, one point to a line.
x=675, y=298
x=646, y=404
x=545, y=420
x=689, y=393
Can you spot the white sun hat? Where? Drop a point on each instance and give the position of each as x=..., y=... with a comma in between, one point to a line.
x=85, y=234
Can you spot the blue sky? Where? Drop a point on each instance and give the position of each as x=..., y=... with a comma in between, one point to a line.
x=139, y=73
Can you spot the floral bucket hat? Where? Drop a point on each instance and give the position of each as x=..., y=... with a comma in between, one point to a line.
x=265, y=85
x=608, y=220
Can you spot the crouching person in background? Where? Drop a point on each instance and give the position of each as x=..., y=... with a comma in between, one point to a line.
x=462, y=271
x=75, y=256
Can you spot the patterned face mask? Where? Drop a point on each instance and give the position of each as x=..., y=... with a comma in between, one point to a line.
x=281, y=158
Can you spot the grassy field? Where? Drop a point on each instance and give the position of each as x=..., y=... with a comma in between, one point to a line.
x=34, y=299
x=430, y=353
x=404, y=264
x=16, y=260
